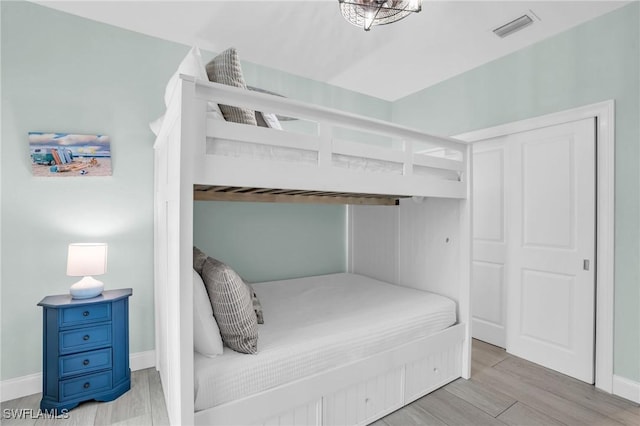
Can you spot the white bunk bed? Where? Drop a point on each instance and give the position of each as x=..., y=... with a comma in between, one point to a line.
x=419, y=237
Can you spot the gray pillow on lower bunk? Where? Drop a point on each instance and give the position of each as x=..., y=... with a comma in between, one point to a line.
x=198, y=259
x=257, y=306
x=232, y=306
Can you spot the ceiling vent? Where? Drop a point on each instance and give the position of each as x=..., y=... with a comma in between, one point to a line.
x=515, y=25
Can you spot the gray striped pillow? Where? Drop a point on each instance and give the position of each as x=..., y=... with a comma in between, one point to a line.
x=232, y=306
x=198, y=259
x=225, y=69
x=257, y=306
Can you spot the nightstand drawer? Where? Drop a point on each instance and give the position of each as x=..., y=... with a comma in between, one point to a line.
x=85, y=362
x=76, y=388
x=85, y=314
x=82, y=339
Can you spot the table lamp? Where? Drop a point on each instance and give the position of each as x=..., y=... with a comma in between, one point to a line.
x=85, y=260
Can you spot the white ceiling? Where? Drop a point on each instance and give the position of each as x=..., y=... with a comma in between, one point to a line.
x=311, y=39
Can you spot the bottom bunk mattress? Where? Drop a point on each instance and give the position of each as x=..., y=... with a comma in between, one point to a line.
x=315, y=324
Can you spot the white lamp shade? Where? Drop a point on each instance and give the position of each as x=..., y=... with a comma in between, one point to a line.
x=84, y=259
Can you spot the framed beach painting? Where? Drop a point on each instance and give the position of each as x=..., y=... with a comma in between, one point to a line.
x=67, y=154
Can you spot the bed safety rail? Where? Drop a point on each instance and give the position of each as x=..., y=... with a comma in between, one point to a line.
x=343, y=152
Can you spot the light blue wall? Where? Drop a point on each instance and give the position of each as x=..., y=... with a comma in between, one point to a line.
x=593, y=62
x=68, y=74
x=266, y=241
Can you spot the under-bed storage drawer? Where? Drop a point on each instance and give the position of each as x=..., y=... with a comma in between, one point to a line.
x=364, y=402
x=433, y=371
x=304, y=415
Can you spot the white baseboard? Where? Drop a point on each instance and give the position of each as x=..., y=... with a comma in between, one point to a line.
x=626, y=388
x=488, y=332
x=142, y=360
x=20, y=386
x=32, y=383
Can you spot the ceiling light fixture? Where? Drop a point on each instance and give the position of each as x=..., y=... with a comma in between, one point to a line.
x=366, y=13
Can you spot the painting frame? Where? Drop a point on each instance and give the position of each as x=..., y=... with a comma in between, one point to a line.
x=55, y=154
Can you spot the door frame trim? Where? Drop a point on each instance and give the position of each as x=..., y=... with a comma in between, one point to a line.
x=604, y=112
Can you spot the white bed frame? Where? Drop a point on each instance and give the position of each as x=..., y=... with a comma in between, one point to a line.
x=424, y=242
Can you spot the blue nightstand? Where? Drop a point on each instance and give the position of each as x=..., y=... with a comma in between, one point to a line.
x=85, y=349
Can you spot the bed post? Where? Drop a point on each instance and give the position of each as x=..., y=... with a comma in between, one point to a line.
x=191, y=132
x=466, y=233
x=174, y=255
x=159, y=246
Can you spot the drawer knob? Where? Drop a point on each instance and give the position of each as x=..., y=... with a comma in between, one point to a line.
x=85, y=362
x=435, y=370
x=86, y=385
x=85, y=314
x=85, y=337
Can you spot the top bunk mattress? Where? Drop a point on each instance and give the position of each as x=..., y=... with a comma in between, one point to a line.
x=314, y=324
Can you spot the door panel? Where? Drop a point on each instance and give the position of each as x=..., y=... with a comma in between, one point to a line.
x=548, y=164
x=489, y=243
x=551, y=298
x=488, y=219
x=488, y=291
x=544, y=292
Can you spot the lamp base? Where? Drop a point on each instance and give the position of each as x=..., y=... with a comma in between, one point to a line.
x=86, y=288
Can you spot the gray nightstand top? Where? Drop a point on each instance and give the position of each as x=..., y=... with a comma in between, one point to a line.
x=65, y=299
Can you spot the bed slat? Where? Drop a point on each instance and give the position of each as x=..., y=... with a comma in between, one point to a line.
x=225, y=193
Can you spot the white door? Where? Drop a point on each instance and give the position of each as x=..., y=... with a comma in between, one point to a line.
x=533, y=280
x=489, y=242
x=551, y=228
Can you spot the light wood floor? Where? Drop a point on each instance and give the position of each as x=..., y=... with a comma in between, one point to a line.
x=142, y=405
x=503, y=390
x=506, y=390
